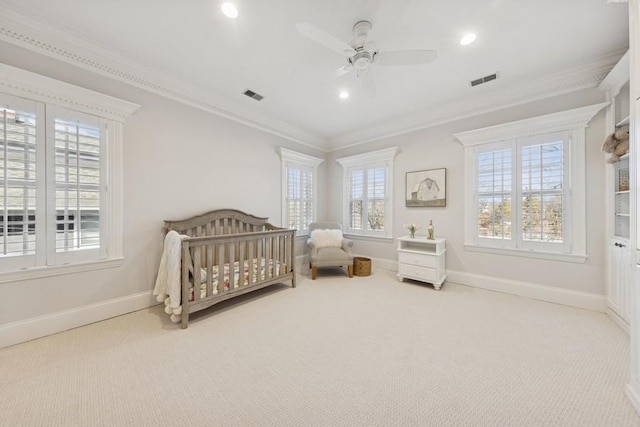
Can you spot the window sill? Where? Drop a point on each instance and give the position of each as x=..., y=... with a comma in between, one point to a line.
x=58, y=270
x=528, y=253
x=370, y=238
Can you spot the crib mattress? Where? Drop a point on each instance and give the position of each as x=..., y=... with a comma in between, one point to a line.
x=239, y=277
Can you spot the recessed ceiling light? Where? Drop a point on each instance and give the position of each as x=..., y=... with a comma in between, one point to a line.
x=344, y=94
x=467, y=39
x=229, y=10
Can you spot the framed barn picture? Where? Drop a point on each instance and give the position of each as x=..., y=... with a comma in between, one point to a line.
x=426, y=188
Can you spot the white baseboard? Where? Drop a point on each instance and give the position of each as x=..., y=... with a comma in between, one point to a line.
x=41, y=326
x=618, y=320
x=633, y=396
x=568, y=297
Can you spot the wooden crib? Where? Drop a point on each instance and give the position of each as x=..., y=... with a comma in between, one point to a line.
x=229, y=253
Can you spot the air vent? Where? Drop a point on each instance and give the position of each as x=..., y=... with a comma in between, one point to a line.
x=252, y=94
x=484, y=79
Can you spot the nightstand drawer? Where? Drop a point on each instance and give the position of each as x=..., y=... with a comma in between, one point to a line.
x=418, y=273
x=417, y=259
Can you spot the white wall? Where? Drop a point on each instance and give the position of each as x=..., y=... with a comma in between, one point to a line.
x=178, y=162
x=436, y=148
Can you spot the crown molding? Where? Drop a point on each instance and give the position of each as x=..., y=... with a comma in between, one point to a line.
x=617, y=77
x=26, y=84
x=36, y=35
x=584, y=77
x=577, y=118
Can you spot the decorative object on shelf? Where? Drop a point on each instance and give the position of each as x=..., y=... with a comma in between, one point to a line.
x=426, y=188
x=623, y=180
x=412, y=229
x=617, y=144
x=430, y=230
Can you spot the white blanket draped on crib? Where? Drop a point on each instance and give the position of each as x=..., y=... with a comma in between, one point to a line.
x=168, y=288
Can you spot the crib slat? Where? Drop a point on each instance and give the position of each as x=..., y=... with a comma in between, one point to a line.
x=232, y=270
x=220, y=265
x=242, y=261
x=197, y=276
x=251, y=261
x=185, y=286
x=209, y=270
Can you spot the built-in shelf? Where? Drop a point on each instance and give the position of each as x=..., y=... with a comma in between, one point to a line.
x=623, y=122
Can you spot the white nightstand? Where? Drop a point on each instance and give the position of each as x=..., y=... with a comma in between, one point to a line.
x=422, y=259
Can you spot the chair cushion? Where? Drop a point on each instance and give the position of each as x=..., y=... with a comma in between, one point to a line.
x=324, y=238
x=328, y=257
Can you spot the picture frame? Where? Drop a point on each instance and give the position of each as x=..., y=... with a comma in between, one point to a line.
x=426, y=188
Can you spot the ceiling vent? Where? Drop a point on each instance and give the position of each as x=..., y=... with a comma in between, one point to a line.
x=484, y=79
x=252, y=94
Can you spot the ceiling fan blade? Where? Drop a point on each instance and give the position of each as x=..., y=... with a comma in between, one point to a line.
x=325, y=39
x=405, y=57
x=368, y=82
x=341, y=71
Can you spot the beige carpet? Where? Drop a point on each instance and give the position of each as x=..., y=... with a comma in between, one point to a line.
x=367, y=351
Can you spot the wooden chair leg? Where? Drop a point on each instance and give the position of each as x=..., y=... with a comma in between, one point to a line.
x=314, y=272
x=350, y=270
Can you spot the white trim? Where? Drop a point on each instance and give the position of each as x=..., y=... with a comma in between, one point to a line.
x=26, y=84
x=549, y=123
x=38, y=35
x=633, y=394
x=574, y=123
x=553, y=256
x=578, y=299
x=584, y=77
x=380, y=158
x=618, y=320
x=617, y=77
x=585, y=300
x=58, y=270
x=41, y=326
x=385, y=155
x=108, y=113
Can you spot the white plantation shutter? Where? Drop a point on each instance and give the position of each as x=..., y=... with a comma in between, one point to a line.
x=60, y=177
x=356, y=199
x=298, y=177
x=20, y=234
x=367, y=195
x=376, y=198
x=543, y=196
x=367, y=198
x=299, y=197
x=76, y=158
x=521, y=193
x=494, y=195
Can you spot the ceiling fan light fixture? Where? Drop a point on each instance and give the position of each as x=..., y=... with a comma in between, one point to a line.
x=229, y=10
x=468, y=39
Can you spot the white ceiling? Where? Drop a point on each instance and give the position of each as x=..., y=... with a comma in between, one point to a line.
x=191, y=44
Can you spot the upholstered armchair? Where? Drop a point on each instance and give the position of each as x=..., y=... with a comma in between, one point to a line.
x=328, y=248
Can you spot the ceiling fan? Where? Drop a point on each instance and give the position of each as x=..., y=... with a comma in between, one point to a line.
x=362, y=54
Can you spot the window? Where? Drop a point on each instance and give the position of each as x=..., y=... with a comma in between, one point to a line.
x=59, y=178
x=368, y=202
x=521, y=196
x=525, y=191
x=299, y=173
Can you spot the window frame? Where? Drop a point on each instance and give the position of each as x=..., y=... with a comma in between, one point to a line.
x=295, y=160
x=367, y=161
x=54, y=95
x=572, y=124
